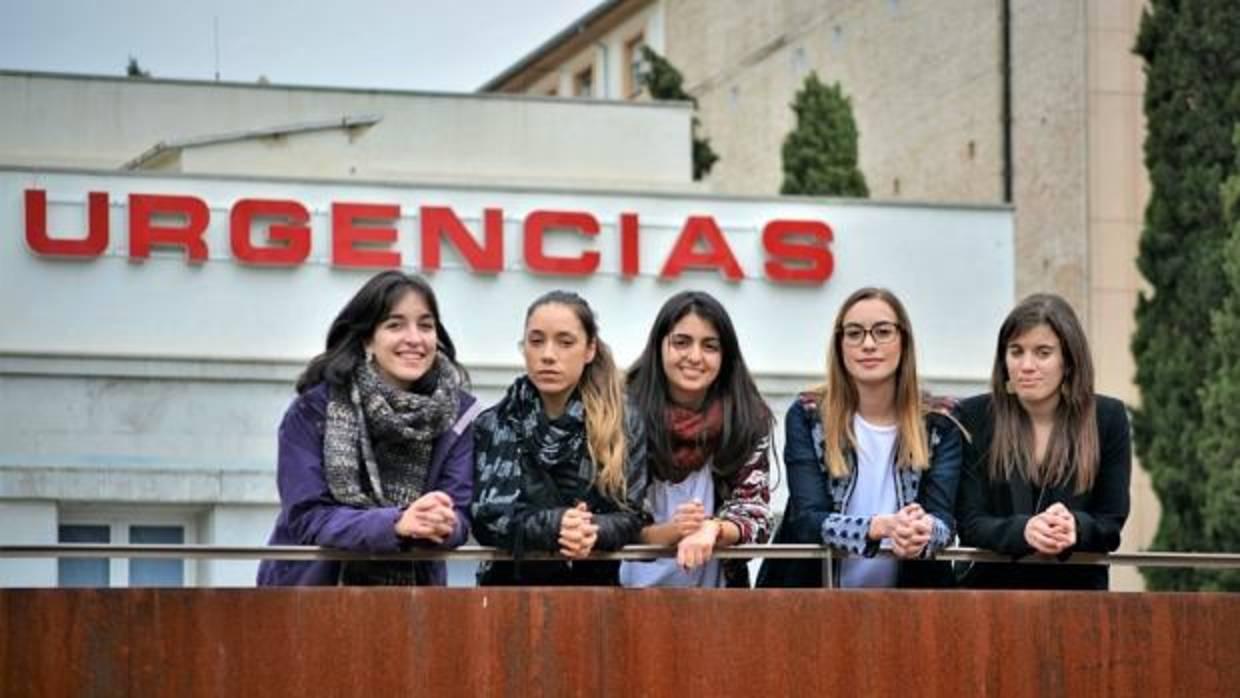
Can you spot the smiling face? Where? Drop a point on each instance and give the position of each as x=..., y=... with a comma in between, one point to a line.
x=871, y=342
x=692, y=354
x=1035, y=365
x=404, y=342
x=556, y=349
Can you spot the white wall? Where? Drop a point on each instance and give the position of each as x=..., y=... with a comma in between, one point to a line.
x=83, y=121
x=28, y=523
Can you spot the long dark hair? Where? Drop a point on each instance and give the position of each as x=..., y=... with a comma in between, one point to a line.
x=746, y=418
x=602, y=393
x=1072, y=452
x=356, y=323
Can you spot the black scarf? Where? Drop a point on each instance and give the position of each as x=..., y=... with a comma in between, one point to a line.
x=556, y=447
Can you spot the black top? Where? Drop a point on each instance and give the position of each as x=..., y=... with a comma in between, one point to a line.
x=993, y=514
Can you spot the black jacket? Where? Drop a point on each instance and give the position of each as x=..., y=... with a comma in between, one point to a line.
x=519, y=508
x=992, y=514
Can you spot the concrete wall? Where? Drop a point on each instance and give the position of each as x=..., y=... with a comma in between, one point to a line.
x=1119, y=189
x=77, y=121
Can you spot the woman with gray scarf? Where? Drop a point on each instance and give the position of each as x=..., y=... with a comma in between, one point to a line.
x=376, y=452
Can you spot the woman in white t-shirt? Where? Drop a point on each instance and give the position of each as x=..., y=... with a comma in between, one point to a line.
x=708, y=441
x=870, y=466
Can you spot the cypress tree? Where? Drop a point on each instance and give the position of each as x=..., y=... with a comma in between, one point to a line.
x=1192, y=103
x=820, y=153
x=664, y=81
x=1219, y=448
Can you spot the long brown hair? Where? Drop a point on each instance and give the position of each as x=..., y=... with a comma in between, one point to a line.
x=602, y=392
x=838, y=398
x=1072, y=453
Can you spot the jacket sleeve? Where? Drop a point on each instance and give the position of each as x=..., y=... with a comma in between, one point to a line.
x=979, y=527
x=809, y=491
x=456, y=479
x=1098, y=526
x=748, y=505
x=620, y=528
x=312, y=515
x=937, y=495
x=501, y=515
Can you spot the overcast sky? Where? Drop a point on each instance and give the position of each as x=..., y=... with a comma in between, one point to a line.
x=450, y=45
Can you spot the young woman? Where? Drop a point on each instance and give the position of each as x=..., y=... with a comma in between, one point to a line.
x=560, y=462
x=376, y=452
x=870, y=466
x=1048, y=471
x=708, y=432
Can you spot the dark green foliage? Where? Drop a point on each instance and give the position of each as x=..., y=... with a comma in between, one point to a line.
x=1186, y=335
x=820, y=153
x=663, y=81
x=134, y=70
x=1219, y=448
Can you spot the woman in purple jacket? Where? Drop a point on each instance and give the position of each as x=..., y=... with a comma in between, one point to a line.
x=376, y=452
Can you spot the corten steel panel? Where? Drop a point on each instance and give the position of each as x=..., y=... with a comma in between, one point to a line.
x=592, y=642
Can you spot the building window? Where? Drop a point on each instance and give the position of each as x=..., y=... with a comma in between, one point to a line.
x=634, y=65
x=164, y=527
x=583, y=83
x=81, y=571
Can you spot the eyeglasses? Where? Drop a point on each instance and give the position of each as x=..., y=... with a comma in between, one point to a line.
x=853, y=334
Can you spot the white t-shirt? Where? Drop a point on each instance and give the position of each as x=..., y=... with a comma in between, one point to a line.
x=873, y=493
x=662, y=498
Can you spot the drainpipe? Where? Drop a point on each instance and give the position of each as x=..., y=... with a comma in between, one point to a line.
x=1005, y=67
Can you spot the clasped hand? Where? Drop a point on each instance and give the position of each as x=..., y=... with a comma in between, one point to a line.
x=430, y=517
x=1053, y=531
x=578, y=532
x=908, y=529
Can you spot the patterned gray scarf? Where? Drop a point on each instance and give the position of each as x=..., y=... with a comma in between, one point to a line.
x=377, y=448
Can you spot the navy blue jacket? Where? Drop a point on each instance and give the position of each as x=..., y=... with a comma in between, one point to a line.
x=817, y=501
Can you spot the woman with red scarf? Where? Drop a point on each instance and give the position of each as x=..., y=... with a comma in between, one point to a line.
x=708, y=441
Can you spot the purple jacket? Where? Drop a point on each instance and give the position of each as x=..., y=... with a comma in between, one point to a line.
x=310, y=516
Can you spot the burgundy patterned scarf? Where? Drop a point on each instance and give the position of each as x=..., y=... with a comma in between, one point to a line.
x=694, y=437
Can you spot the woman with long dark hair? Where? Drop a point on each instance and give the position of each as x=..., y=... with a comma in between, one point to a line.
x=1048, y=471
x=376, y=451
x=708, y=431
x=870, y=465
x=560, y=461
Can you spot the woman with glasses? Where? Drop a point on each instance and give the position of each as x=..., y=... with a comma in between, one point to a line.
x=376, y=451
x=870, y=466
x=1048, y=470
x=560, y=462
x=708, y=431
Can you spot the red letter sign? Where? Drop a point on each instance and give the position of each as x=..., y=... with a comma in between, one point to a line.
x=143, y=233
x=630, y=265
x=345, y=235
x=717, y=255
x=292, y=239
x=814, y=261
x=93, y=245
x=538, y=222
x=438, y=221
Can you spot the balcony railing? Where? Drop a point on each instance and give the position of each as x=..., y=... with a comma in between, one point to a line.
x=828, y=556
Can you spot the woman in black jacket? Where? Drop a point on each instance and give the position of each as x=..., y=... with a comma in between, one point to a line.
x=559, y=461
x=1047, y=472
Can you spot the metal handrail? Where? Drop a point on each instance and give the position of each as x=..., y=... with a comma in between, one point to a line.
x=629, y=552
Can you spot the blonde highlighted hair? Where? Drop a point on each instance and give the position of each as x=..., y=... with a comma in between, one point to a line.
x=602, y=393
x=838, y=398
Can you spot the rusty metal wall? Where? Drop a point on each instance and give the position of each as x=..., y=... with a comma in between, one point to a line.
x=609, y=642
